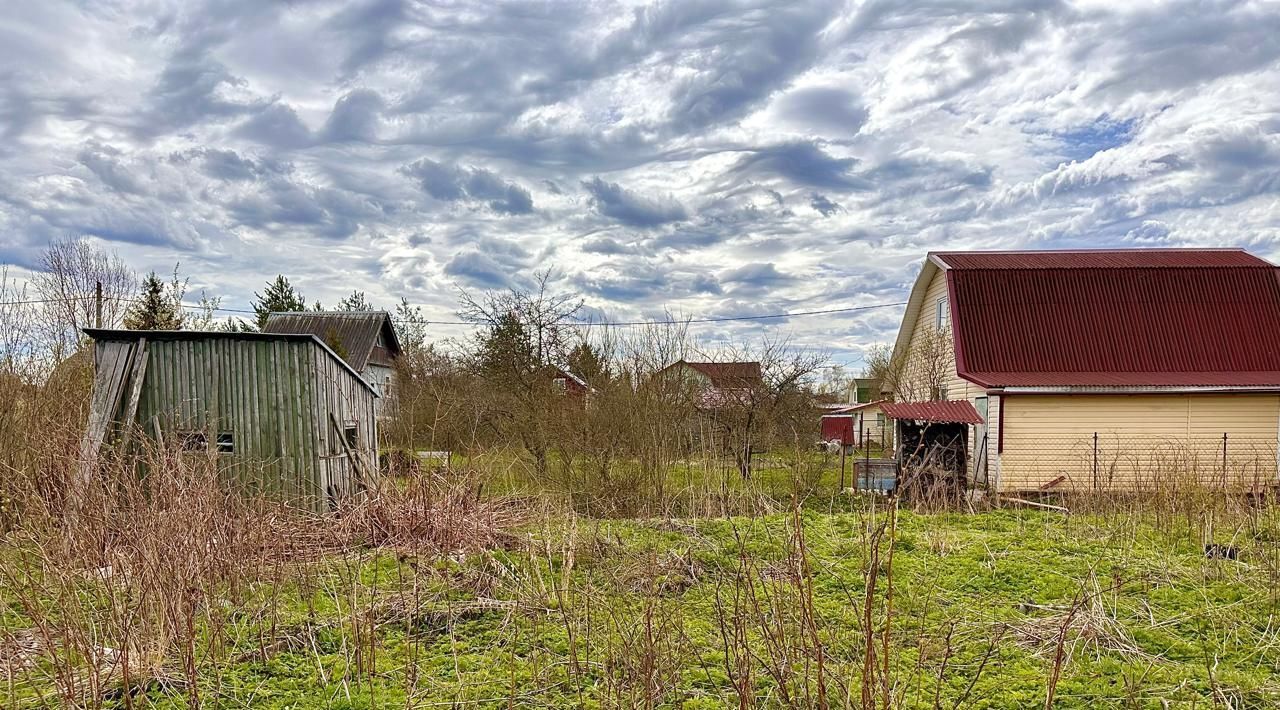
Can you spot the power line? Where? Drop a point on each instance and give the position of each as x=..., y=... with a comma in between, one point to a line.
x=586, y=323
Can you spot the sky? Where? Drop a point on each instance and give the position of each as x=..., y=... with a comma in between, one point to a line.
x=709, y=159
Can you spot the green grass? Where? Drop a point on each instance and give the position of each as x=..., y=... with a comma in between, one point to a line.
x=609, y=613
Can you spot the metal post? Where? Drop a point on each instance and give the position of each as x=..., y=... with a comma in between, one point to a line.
x=1095, y=462
x=1224, y=460
x=866, y=466
x=843, y=449
x=97, y=304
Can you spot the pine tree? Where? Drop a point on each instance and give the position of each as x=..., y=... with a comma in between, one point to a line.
x=277, y=297
x=410, y=325
x=505, y=353
x=355, y=302
x=588, y=362
x=156, y=309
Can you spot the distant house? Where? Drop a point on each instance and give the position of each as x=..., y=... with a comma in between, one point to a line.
x=281, y=414
x=719, y=384
x=366, y=340
x=570, y=384
x=864, y=389
x=1102, y=369
x=867, y=420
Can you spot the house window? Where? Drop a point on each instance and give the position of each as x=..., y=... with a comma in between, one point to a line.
x=194, y=441
x=561, y=384
x=942, y=317
x=226, y=442
x=351, y=433
x=880, y=419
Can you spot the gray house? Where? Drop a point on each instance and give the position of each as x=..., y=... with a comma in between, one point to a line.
x=366, y=340
x=282, y=413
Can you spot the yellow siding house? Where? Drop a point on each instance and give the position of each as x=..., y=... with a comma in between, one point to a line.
x=1101, y=369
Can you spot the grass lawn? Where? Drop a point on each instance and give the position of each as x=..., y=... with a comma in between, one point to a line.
x=694, y=613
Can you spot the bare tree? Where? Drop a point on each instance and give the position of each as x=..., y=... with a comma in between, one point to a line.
x=523, y=337
x=20, y=355
x=72, y=269
x=920, y=373
x=777, y=408
x=544, y=319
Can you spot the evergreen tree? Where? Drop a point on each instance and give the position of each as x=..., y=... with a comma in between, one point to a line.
x=355, y=302
x=505, y=352
x=588, y=362
x=156, y=309
x=410, y=325
x=277, y=297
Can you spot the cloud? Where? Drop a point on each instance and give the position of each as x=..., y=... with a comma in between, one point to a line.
x=476, y=269
x=704, y=157
x=756, y=53
x=616, y=202
x=451, y=183
x=355, y=117
x=104, y=162
x=230, y=165
x=832, y=111
x=803, y=163
x=824, y=206
x=276, y=126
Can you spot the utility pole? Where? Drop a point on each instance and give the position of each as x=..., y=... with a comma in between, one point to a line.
x=97, y=304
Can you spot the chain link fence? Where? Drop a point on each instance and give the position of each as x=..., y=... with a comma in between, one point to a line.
x=1119, y=461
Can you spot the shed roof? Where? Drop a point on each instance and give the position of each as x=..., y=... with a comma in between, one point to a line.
x=123, y=334
x=1114, y=318
x=357, y=331
x=949, y=412
x=850, y=408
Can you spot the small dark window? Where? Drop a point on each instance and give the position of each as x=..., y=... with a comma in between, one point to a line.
x=194, y=441
x=226, y=442
x=352, y=434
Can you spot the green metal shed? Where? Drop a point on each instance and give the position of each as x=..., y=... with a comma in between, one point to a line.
x=283, y=413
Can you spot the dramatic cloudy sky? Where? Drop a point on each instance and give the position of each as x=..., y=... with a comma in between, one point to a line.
x=711, y=158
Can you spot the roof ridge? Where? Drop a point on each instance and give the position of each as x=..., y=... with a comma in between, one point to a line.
x=1098, y=250
x=329, y=313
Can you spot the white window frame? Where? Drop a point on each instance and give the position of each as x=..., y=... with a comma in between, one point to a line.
x=942, y=314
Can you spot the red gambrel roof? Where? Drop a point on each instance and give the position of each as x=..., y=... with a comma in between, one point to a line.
x=948, y=412
x=728, y=374
x=1121, y=318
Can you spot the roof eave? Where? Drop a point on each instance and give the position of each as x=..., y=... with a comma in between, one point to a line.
x=126, y=334
x=932, y=264
x=1137, y=389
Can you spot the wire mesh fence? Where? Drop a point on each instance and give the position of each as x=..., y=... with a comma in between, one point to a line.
x=1129, y=462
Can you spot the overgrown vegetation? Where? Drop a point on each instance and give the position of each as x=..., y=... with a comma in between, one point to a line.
x=626, y=546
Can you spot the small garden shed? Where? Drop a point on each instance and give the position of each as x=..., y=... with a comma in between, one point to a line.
x=282, y=413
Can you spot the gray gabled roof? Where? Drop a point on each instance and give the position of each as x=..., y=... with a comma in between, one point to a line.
x=104, y=334
x=353, y=333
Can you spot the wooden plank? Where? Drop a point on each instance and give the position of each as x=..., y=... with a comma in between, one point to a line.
x=108, y=385
x=356, y=465
x=136, y=376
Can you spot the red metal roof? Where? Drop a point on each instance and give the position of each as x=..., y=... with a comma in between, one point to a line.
x=1115, y=318
x=1101, y=259
x=728, y=374
x=950, y=411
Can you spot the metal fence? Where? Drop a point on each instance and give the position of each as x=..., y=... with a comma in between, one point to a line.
x=1119, y=461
